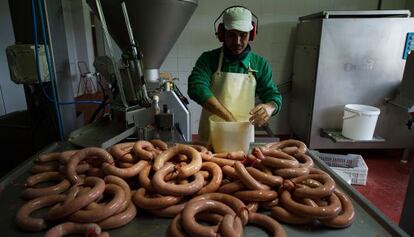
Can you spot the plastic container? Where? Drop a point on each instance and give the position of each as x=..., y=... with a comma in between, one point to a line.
x=230, y=136
x=358, y=173
x=359, y=121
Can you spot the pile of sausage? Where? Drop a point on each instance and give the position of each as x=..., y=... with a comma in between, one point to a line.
x=94, y=189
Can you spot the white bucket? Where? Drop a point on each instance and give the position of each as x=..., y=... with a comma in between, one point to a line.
x=230, y=136
x=359, y=121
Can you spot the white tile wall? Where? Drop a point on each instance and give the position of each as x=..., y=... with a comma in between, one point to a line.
x=275, y=40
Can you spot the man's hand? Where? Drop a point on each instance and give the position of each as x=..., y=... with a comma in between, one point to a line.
x=261, y=113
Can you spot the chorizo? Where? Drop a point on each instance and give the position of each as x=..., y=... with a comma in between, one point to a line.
x=192, y=227
x=265, y=178
x=268, y=223
x=143, y=150
x=157, y=143
x=247, y=179
x=333, y=208
x=232, y=187
x=236, y=204
x=153, y=201
x=345, y=217
x=281, y=214
x=185, y=171
x=119, y=219
x=83, y=154
x=111, y=179
x=23, y=219
x=216, y=179
x=328, y=186
x=288, y=143
x=124, y=172
x=122, y=152
x=102, y=211
x=60, y=211
x=33, y=192
x=231, y=226
x=159, y=184
x=256, y=195
x=170, y=211
x=73, y=228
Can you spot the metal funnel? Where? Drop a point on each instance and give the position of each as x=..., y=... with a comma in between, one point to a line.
x=156, y=25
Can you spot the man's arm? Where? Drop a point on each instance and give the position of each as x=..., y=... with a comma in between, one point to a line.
x=215, y=107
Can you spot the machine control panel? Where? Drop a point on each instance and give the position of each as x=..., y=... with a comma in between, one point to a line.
x=409, y=44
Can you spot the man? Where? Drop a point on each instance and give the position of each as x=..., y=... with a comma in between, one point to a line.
x=225, y=81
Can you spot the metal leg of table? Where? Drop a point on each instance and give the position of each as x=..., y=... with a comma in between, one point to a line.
x=404, y=157
x=407, y=215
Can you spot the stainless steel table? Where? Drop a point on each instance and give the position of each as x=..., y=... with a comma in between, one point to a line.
x=369, y=220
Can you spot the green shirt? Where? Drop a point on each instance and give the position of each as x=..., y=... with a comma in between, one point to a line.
x=199, y=82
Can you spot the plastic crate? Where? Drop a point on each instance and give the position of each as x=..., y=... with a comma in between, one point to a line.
x=337, y=160
x=358, y=174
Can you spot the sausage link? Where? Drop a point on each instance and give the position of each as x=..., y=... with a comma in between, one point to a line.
x=60, y=211
x=222, y=162
x=345, y=217
x=165, y=188
x=103, y=211
x=270, y=204
x=229, y=171
x=268, y=223
x=47, y=157
x=159, y=144
x=111, y=179
x=281, y=214
x=288, y=143
x=119, y=219
x=33, y=192
x=215, y=181
x=153, y=201
x=331, y=210
x=44, y=167
x=252, y=207
x=168, y=212
x=175, y=228
x=192, y=227
x=323, y=191
x=236, y=204
x=23, y=219
x=231, y=187
x=185, y=171
x=231, y=226
x=288, y=173
x=247, y=179
x=83, y=154
x=279, y=160
x=256, y=195
x=68, y=228
x=65, y=156
x=305, y=160
x=262, y=177
x=124, y=172
x=122, y=152
x=143, y=150
x=144, y=180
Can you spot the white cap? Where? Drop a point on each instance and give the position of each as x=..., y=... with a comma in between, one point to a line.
x=238, y=18
x=411, y=110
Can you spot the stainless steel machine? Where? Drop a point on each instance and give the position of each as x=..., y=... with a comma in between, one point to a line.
x=142, y=102
x=350, y=57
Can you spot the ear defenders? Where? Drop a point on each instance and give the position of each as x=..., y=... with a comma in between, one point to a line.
x=220, y=28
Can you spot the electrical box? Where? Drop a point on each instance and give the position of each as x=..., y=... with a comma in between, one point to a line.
x=22, y=63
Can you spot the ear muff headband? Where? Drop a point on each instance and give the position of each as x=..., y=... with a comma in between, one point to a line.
x=220, y=28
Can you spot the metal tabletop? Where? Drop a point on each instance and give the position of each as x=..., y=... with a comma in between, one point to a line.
x=369, y=221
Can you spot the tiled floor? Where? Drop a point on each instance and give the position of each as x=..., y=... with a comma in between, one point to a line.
x=387, y=181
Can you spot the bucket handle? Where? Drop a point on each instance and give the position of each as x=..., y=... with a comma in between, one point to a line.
x=354, y=114
x=351, y=116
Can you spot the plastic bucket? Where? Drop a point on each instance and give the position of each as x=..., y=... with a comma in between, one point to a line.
x=230, y=136
x=359, y=121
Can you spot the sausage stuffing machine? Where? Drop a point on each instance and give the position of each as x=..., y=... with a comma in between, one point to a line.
x=350, y=57
x=141, y=102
